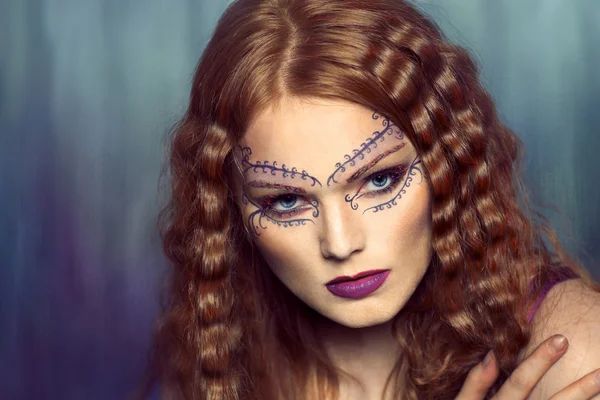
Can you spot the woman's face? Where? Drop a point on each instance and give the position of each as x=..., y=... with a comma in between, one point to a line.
x=329, y=189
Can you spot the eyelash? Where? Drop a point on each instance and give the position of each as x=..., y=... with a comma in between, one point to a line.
x=395, y=173
x=267, y=202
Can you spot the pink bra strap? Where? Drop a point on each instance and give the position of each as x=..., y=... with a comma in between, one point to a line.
x=556, y=276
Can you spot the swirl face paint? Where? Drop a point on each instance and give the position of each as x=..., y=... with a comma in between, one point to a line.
x=267, y=167
x=266, y=206
x=392, y=177
x=414, y=170
x=389, y=131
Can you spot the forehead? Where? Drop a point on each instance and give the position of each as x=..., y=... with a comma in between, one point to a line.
x=314, y=134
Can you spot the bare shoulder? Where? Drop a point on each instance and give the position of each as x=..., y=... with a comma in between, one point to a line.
x=572, y=309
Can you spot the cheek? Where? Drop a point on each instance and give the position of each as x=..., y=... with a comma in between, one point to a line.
x=416, y=225
x=406, y=235
x=284, y=249
x=273, y=247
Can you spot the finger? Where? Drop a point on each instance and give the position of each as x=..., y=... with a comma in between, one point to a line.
x=583, y=389
x=524, y=378
x=479, y=380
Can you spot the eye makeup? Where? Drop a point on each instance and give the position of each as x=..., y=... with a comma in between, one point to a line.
x=266, y=210
x=412, y=171
x=269, y=204
x=282, y=206
x=272, y=168
x=269, y=185
x=285, y=204
x=393, y=177
x=371, y=164
x=390, y=131
x=265, y=206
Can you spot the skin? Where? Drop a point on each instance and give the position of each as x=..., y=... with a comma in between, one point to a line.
x=344, y=226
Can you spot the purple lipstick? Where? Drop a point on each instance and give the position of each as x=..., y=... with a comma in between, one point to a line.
x=359, y=285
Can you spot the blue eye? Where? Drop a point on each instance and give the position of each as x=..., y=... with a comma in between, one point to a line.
x=284, y=206
x=380, y=180
x=288, y=201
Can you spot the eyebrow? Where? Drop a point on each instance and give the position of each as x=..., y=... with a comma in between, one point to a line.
x=373, y=162
x=271, y=185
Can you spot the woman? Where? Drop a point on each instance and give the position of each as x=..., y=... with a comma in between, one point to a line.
x=347, y=221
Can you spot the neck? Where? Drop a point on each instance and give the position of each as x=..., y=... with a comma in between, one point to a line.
x=367, y=355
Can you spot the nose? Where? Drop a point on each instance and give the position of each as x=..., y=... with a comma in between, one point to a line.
x=342, y=231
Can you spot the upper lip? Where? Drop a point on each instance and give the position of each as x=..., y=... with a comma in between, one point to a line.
x=357, y=276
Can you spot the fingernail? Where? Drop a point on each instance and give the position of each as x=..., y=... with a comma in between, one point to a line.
x=488, y=357
x=559, y=342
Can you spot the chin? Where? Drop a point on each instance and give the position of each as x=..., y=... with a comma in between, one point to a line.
x=362, y=321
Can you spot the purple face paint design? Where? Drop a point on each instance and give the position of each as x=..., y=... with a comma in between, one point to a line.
x=283, y=209
x=267, y=211
x=267, y=205
x=266, y=167
x=389, y=131
x=387, y=180
x=270, y=185
x=413, y=170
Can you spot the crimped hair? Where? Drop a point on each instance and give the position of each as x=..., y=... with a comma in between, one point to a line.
x=229, y=328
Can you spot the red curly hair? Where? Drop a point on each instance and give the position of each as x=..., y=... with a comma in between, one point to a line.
x=229, y=328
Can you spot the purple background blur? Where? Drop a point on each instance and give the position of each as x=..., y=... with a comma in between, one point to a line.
x=88, y=89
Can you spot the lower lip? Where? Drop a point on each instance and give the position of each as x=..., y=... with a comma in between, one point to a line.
x=360, y=287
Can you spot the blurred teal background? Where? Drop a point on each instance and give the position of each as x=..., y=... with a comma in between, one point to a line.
x=88, y=89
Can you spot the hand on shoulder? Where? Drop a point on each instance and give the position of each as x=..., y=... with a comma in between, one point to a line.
x=573, y=310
